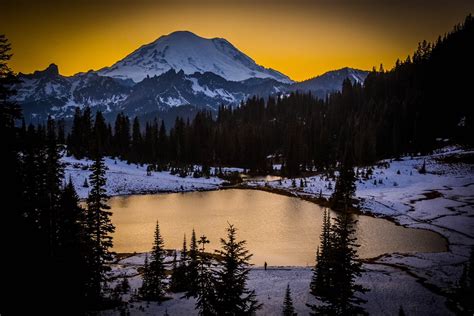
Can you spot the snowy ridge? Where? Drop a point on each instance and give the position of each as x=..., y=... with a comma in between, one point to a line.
x=186, y=51
x=47, y=92
x=178, y=70
x=331, y=81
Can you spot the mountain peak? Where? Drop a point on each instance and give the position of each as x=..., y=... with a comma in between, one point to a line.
x=51, y=70
x=184, y=50
x=182, y=34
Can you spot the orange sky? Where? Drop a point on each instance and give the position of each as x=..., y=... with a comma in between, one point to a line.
x=300, y=38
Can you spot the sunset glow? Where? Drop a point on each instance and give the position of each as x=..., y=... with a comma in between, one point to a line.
x=301, y=39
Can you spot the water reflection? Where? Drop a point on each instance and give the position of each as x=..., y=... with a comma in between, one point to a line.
x=279, y=229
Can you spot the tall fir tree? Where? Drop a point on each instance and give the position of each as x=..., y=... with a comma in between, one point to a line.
x=344, y=189
x=156, y=278
x=233, y=297
x=321, y=281
x=137, y=141
x=345, y=268
x=179, y=278
x=288, y=308
x=174, y=282
x=99, y=227
x=337, y=267
x=146, y=276
x=206, y=296
x=54, y=176
x=192, y=270
x=72, y=250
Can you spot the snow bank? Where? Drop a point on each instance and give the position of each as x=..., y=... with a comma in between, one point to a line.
x=123, y=178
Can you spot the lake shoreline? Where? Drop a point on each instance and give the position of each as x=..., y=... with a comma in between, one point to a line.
x=401, y=199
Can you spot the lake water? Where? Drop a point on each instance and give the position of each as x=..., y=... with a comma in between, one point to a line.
x=267, y=178
x=279, y=229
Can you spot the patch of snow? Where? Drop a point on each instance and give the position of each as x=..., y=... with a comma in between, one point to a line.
x=123, y=178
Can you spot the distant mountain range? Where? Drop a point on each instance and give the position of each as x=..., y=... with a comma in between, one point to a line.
x=177, y=74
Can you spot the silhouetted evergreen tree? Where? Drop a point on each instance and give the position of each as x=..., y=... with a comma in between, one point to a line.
x=155, y=287
x=206, y=296
x=137, y=142
x=345, y=268
x=99, y=227
x=146, y=277
x=344, y=189
x=233, y=298
x=192, y=270
x=321, y=286
x=101, y=143
x=288, y=308
x=179, y=278
x=72, y=250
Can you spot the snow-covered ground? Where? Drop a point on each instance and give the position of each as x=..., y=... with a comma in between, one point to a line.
x=389, y=287
x=124, y=179
x=442, y=200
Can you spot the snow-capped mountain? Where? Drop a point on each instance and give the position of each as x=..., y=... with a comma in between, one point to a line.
x=177, y=74
x=190, y=53
x=331, y=81
x=206, y=90
x=47, y=92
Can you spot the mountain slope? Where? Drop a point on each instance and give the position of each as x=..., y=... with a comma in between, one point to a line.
x=186, y=51
x=330, y=81
x=47, y=92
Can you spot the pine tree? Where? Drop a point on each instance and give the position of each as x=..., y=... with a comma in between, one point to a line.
x=288, y=308
x=101, y=143
x=179, y=279
x=72, y=250
x=192, y=270
x=99, y=227
x=206, y=296
x=321, y=281
x=184, y=251
x=337, y=267
x=175, y=274
x=146, y=276
x=156, y=285
x=136, y=150
x=344, y=190
x=54, y=174
x=233, y=298
x=345, y=268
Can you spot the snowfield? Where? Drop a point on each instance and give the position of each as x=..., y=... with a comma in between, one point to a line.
x=442, y=200
x=124, y=179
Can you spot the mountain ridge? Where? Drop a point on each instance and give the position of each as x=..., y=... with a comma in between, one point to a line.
x=47, y=92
